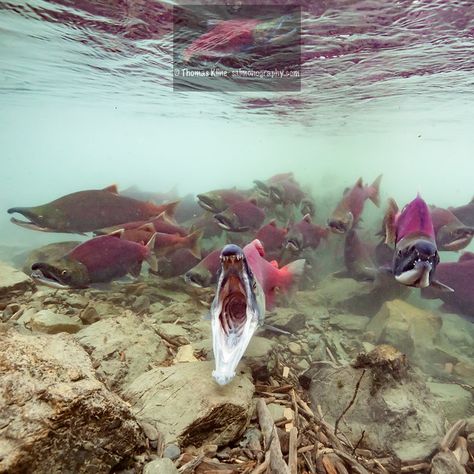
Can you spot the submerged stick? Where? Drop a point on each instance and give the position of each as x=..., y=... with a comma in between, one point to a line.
x=293, y=451
x=356, y=390
x=272, y=443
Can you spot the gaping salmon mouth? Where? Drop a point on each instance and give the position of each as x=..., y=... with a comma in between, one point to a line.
x=235, y=313
x=206, y=203
x=337, y=226
x=43, y=274
x=293, y=244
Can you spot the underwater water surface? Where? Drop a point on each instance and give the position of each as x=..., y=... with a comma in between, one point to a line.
x=89, y=98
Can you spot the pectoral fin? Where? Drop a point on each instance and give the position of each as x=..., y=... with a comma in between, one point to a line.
x=441, y=286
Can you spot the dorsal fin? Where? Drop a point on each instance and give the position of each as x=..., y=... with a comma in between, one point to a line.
x=117, y=233
x=111, y=189
x=360, y=183
x=259, y=247
x=273, y=223
x=466, y=256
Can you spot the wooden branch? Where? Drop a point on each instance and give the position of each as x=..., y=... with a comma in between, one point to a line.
x=356, y=390
x=272, y=443
x=293, y=451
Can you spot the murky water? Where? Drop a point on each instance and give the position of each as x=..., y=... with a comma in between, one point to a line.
x=89, y=98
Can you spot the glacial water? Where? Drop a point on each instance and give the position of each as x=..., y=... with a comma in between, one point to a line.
x=387, y=87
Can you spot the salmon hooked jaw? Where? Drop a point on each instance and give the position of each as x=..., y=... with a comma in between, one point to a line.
x=236, y=312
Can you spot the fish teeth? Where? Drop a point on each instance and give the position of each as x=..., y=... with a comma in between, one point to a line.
x=231, y=258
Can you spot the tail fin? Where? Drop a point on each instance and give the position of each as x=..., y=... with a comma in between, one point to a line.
x=194, y=241
x=294, y=271
x=150, y=255
x=374, y=192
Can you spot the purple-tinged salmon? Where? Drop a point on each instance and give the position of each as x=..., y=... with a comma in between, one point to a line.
x=460, y=277
x=86, y=211
x=465, y=213
x=241, y=217
x=348, y=211
x=416, y=255
x=305, y=234
x=98, y=260
x=451, y=233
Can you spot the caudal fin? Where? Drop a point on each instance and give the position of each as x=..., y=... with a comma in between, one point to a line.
x=150, y=255
x=389, y=222
x=194, y=243
x=293, y=272
x=374, y=191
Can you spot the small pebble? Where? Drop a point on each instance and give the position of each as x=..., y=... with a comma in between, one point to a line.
x=172, y=452
x=294, y=348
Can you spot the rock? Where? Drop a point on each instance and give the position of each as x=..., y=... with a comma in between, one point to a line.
x=446, y=463
x=349, y=322
x=160, y=466
x=50, y=322
x=13, y=281
x=185, y=354
x=258, y=347
x=465, y=370
x=184, y=402
x=303, y=364
x=294, y=348
x=172, y=330
x=393, y=406
x=357, y=297
x=457, y=332
x=455, y=401
x=56, y=413
x=287, y=319
x=122, y=349
x=410, y=329
x=172, y=452
x=141, y=304
x=77, y=301
x=276, y=410
x=175, y=311
x=89, y=315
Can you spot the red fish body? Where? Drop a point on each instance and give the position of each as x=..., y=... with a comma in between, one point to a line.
x=270, y=277
x=465, y=213
x=415, y=219
x=98, y=260
x=241, y=216
x=205, y=272
x=460, y=277
x=451, y=233
x=271, y=236
x=347, y=213
x=86, y=211
x=305, y=234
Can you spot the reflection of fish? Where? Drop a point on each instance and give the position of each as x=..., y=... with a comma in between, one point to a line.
x=98, y=260
x=305, y=234
x=451, y=233
x=86, y=211
x=241, y=216
x=460, y=277
x=348, y=212
x=411, y=231
x=205, y=272
x=247, y=283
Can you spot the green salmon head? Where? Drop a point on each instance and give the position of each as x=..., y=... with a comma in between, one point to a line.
x=42, y=218
x=62, y=273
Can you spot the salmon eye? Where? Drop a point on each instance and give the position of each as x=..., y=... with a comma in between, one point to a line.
x=64, y=273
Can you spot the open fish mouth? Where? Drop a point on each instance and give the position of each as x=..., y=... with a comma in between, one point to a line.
x=196, y=279
x=236, y=311
x=28, y=224
x=337, y=226
x=206, y=203
x=293, y=244
x=44, y=276
x=415, y=264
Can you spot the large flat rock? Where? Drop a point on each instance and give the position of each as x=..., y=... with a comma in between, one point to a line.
x=122, y=348
x=188, y=407
x=55, y=415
